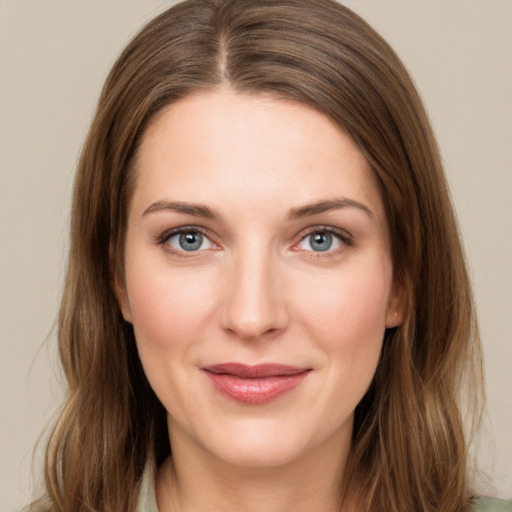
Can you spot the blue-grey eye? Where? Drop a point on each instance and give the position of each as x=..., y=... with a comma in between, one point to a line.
x=320, y=241
x=189, y=241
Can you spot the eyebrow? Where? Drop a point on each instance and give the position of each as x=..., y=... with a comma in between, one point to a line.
x=196, y=210
x=300, y=212
x=311, y=209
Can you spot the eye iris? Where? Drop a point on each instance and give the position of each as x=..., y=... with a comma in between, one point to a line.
x=191, y=241
x=321, y=241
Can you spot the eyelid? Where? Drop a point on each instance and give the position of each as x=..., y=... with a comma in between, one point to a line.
x=343, y=236
x=166, y=235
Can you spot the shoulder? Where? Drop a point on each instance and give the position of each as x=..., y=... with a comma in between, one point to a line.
x=483, y=504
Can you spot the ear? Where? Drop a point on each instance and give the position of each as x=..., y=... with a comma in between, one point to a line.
x=118, y=284
x=396, y=305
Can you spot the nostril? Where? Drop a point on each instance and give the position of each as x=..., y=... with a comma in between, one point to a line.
x=252, y=332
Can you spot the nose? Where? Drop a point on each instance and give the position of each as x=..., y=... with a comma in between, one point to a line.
x=255, y=303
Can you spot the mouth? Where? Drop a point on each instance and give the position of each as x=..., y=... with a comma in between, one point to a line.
x=255, y=385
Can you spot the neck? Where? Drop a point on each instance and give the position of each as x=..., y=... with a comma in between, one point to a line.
x=194, y=480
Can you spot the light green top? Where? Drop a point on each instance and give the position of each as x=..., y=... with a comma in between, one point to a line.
x=147, y=499
x=491, y=505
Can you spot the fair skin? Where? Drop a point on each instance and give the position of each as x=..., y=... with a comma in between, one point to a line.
x=256, y=235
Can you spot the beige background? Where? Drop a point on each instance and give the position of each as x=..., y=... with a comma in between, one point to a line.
x=54, y=56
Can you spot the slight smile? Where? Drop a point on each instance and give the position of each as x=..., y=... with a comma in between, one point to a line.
x=255, y=384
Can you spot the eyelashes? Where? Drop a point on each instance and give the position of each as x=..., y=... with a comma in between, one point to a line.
x=324, y=239
x=186, y=241
x=190, y=240
x=317, y=241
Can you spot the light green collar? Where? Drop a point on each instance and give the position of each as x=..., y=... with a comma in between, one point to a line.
x=147, y=496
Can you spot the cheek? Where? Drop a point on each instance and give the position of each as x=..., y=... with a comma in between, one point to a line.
x=169, y=316
x=346, y=317
x=347, y=303
x=168, y=307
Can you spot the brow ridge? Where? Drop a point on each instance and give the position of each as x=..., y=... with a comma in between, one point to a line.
x=322, y=206
x=196, y=210
x=307, y=210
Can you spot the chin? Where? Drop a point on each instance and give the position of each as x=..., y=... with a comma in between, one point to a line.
x=261, y=443
x=261, y=455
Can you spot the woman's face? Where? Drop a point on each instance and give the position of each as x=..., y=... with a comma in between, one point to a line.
x=258, y=276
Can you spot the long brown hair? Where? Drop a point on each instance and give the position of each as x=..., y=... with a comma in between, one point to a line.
x=408, y=451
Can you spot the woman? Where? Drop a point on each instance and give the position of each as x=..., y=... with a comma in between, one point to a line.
x=266, y=304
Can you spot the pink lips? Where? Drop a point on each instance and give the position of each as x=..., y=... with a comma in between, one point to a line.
x=255, y=385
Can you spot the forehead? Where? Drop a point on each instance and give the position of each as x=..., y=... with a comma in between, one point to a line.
x=220, y=145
